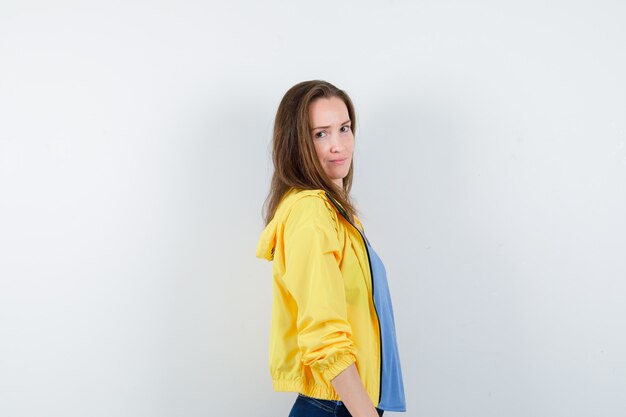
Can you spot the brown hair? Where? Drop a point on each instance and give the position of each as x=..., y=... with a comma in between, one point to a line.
x=295, y=161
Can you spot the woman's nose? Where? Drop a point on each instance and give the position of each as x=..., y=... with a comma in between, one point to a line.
x=335, y=144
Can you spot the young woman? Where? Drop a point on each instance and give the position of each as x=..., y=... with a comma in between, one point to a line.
x=332, y=335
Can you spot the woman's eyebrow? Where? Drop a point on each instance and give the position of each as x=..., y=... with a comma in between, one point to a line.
x=326, y=127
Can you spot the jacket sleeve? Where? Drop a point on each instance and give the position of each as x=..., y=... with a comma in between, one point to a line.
x=313, y=277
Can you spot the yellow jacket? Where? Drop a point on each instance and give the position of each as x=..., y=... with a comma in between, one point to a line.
x=323, y=314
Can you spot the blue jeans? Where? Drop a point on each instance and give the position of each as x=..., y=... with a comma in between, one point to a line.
x=314, y=407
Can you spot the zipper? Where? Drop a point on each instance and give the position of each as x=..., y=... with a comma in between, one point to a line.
x=369, y=262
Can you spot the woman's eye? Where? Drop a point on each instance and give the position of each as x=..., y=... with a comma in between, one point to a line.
x=345, y=129
x=320, y=134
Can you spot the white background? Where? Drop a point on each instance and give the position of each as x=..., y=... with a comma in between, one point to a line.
x=490, y=173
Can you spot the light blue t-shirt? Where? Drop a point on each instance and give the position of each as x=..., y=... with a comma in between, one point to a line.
x=392, y=389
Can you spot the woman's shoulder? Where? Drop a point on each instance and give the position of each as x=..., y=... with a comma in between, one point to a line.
x=303, y=198
x=306, y=206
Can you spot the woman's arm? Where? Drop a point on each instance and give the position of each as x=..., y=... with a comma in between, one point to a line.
x=351, y=391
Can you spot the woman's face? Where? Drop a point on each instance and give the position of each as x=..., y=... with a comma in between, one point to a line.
x=332, y=136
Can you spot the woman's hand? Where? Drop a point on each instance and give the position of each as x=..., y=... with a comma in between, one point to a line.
x=352, y=392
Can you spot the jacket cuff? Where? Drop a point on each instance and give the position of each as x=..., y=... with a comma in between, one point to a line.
x=339, y=366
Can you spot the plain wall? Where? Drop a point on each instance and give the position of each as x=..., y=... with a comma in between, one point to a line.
x=490, y=172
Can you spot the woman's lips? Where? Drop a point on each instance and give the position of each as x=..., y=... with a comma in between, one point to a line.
x=338, y=161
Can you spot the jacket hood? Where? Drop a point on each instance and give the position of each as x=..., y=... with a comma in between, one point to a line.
x=267, y=242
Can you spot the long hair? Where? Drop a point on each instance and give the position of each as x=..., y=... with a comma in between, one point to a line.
x=295, y=162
